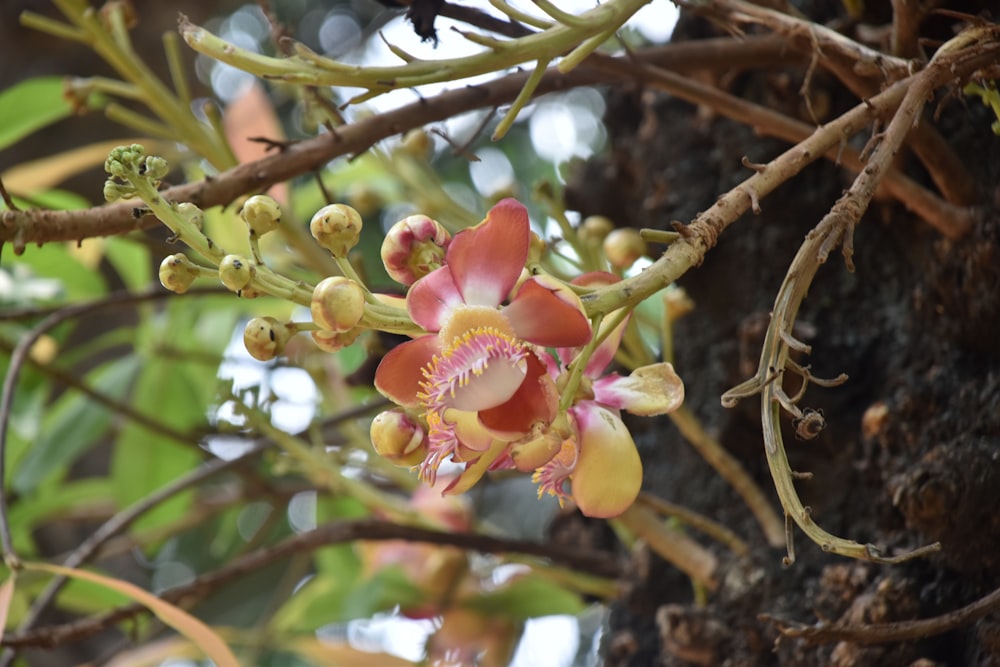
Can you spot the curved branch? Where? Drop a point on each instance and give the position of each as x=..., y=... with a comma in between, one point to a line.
x=881, y=633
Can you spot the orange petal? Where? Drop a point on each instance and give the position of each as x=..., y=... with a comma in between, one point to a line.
x=399, y=374
x=547, y=313
x=534, y=401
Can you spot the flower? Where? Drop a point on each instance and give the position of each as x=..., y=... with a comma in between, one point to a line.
x=599, y=459
x=479, y=376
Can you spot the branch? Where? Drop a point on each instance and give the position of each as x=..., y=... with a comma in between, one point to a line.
x=334, y=533
x=40, y=226
x=881, y=633
x=959, y=57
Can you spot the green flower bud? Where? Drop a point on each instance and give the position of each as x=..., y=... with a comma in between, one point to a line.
x=337, y=228
x=265, y=337
x=155, y=168
x=192, y=214
x=114, y=191
x=623, y=247
x=338, y=304
x=177, y=273
x=235, y=272
x=398, y=438
x=262, y=215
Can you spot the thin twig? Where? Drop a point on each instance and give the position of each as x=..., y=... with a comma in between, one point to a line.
x=730, y=469
x=699, y=522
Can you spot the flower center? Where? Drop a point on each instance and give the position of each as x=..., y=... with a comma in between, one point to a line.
x=479, y=369
x=466, y=319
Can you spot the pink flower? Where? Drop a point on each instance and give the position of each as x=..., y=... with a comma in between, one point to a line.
x=600, y=459
x=478, y=377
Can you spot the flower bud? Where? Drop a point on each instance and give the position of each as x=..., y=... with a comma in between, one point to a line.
x=235, y=272
x=192, y=214
x=676, y=303
x=177, y=273
x=595, y=228
x=417, y=143
x=265, y=337
x=414, y=247
x=262, y=215
x=536, y=249
x=338, y=303
x=398, y=438
x=337, y=228
x=154, y=167
x=623, y=247
x=333, y=341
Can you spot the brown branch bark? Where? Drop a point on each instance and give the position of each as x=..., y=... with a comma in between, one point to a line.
x=601, y=565
x=37, y=226
x=882, y=633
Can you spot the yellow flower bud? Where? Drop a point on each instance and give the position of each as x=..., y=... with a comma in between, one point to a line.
x=192, y=214
x=595, y=228
x=236, y=272
x=337, y=228
x=418, y=144
x=262, y=215
x=177, y=273
x=623, y=246
x=398, y=438
x=414, y=247
x=338, y=304
x=333, y=341
x=265, y=337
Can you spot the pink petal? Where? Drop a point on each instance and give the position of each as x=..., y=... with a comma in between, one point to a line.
x=399, y=374
x=486, y=260
x=608, y=472
x=650, y=390
x=545, y=313
x=432, y=298
x=536, y=400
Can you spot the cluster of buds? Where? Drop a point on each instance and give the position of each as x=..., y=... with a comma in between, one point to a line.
x=503, y=374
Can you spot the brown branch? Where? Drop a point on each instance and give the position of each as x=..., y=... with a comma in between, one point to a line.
x=334, y=533
x=865, y=71
x=881, y=633
x=40, y=226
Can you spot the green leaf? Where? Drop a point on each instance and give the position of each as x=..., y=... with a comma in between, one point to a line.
x=389, y=588
x=29, y=106
x=73, y=424
x=144, y=460
x=529, y=596
x=54, y=260
x=52, y=502
x=131, y=260
x=55, y=200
